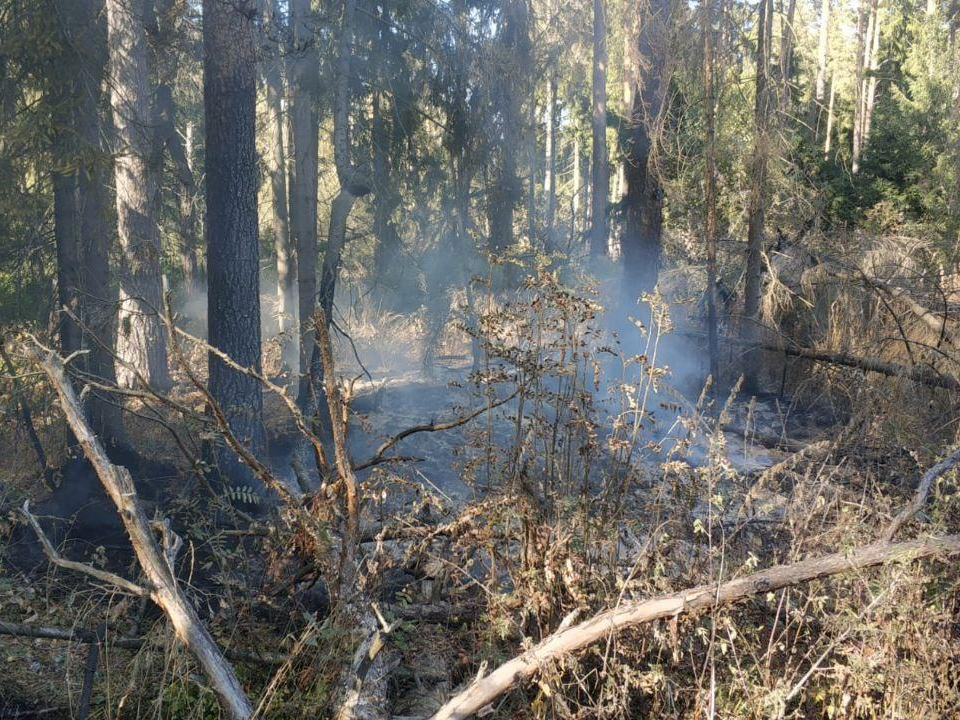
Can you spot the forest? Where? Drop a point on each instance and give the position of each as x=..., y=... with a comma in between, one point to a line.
x=437, y=359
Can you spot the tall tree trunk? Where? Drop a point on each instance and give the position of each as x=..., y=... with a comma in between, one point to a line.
x=787, y=42
x=162, y=25
x=866, y=20
x=823, y=50
x=305, y=125
x=354, y=184
x=873, y=61
x=505, y=190
x=141, y=342
x=710, y=193
x=386, y=138
x=829, y=133
x=642, y=203
x=576, y=209
x=389, y=244
x=96, y=235
x=277, y=174
x=233, y=268
x=550, y=161
x=757, y=202
x=600, y=168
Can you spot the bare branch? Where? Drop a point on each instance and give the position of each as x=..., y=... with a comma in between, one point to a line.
x=60, y=561
x=165, y=590
x=484, y=690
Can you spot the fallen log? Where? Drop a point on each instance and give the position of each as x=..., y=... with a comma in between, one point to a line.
x=162, y=584
x=918, y=373
x=487, y=688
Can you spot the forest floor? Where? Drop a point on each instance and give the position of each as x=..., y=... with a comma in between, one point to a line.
x=459, y=559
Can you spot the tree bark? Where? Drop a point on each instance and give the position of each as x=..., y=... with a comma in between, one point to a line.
x=304, y=73
x=630, y=614
x=140, y=339
x=81, y=230
x=642, y=202
x=758, y=201
x=233, y=271
x=599, y=165
x=277, y=174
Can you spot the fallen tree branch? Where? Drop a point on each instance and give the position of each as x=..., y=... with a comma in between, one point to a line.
x=918, y=373
x=57, y=559
x=85, y=636
x=486, y=689
x=165, y=591
x=923, y=491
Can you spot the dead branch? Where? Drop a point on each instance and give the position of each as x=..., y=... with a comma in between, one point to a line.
x=923, y=491
x=486, y=689
x=338, y=422
x=378, y=458
x=27, y=418
x=57, y=559
x=164, y=590
x=85, y=636
x=298, y=417
x=918, y=373
x=361, y=691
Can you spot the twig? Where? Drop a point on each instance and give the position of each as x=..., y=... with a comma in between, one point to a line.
x=377, y=457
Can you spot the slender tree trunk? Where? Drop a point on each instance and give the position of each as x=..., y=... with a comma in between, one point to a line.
x=600, y=168
x=277, y=174
x=642, y=203
x=550, y=161
x=787, y=42
x=141, y=342
x=576, y=210
x=829, y=134
x=757, y=203
x=162, y=26
x=505, y=190
x=233, y=268
x=865, y=24
x=353, y=184
x=710, y=192
x=823, y=51
x=305, y=124
x=873, y=61
x=389, y=244
x=187, y=215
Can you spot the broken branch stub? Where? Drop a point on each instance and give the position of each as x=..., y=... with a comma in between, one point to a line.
x=164, y=589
